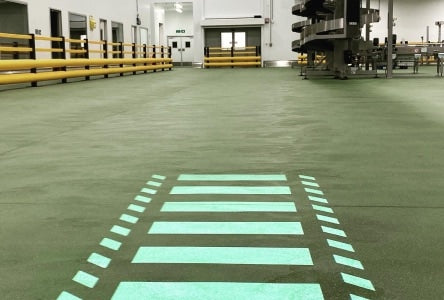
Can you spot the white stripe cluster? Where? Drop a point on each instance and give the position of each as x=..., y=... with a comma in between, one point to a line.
x=313, y=188
x=128, y=219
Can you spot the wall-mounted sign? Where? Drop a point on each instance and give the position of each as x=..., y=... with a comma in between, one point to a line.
x=180, y=30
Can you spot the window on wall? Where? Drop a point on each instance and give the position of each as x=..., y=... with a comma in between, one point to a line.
x=143, y=36
x=226, y=40
x=117, y=36
x=78, y=31
x=233, y=39
x=77, y=26
x=240, y=40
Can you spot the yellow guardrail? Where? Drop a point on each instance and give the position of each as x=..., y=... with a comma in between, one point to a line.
x=113, y=66
x=113, y=59
x=232, y=57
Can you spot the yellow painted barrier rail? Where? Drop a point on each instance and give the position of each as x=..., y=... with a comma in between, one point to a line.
x=232, y=57
x=75, y=58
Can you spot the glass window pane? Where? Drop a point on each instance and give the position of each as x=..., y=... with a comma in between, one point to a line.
x=226, y=40
x=239, y=40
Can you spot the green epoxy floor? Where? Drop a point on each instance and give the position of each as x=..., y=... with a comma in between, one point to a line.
x=72, y=158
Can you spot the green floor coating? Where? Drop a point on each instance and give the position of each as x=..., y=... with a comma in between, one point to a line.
x=73, y=157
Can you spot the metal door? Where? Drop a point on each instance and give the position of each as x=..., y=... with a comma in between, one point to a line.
x=181, y=49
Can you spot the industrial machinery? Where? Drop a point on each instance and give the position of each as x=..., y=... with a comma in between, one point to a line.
x=333, y=30
x=413, y=55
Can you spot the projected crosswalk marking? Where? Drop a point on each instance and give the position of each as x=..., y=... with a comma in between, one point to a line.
x=318, y=199
x=314, y=184
x=129, y=219
x=322, y=208
x=85, y=279
x=354, y=297
x=231, y=177
x=229, y=207
x=136, y=208
x=333, y=231
x=120, y=230
x=234, y=236
x=148, y=191
x=313, y=191
x=307, y=177
x=143, y=199
x=67, y=296
x=230, y=190
x=224, y=255
x=348, y=262
x=358, y=281
x=99, y=260
x=110, y=244
x=327, y=219
x=216, y=291
x=284, y=228
x=340, y=245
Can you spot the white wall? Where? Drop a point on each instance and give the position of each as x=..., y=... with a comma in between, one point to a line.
x=175, y=21
x=198, y=6
x=412, y=18
x=233, y=8
x=281, y=34
x=158, y=17
x=111, y=10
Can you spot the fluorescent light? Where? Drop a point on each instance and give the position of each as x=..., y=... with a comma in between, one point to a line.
x=179, y=10
x=178, y=6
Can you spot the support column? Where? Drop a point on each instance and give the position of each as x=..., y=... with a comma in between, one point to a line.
x=390, y=40
x=367, y=35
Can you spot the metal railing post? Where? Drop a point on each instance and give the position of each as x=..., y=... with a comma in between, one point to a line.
x=134, y=55
x=154, y=56
x=33, y=55
x=122, y=54
x=145, y=55
x=86, y=48
x=105, y=56
x=64, y=80
x=162, y=49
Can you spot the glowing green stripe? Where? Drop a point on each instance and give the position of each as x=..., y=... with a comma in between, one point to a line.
x=231, y=177
x=310, y=183
x=85, y=279
x=231, y=190
x=327, y=219
x=348, y=262
x=229, y=207
x=129, y=219
x=110, y=244
x=223, y=255
x=340, y=245
x=358, y=281
x=99, y=260
x=67, y=296
x=307, y=177
x=290, y=228
x=333, y=231
x=322, y=208
x=216, y=291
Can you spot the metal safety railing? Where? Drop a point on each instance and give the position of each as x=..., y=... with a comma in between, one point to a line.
x=232, y=57
x=92, y=57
